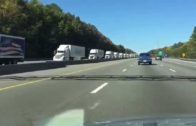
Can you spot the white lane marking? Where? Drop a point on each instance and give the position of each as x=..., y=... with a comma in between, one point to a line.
x=178, y=63
x=105, y=122
x=94, y=105
x=124, y=70
x=172, y=70
x=99, y=88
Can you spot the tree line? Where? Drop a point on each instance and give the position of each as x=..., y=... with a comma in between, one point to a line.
x=180, y=49
x=45, y=27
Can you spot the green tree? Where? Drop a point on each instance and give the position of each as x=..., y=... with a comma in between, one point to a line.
x=45, y=27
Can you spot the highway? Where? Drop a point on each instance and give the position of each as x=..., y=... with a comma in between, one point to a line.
x=42, y=101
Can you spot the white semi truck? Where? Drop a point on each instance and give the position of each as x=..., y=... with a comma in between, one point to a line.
x=116, y=55
x=124, y=55
x=132, y=55
x=12, y=49
x=69, y=52
x=120, y=55
x=109, y=55
x=96, y=54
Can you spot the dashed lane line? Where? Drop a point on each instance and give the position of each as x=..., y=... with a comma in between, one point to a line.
x=99, y=88
x=124, y=70
x=40, y=80
x=172, y=70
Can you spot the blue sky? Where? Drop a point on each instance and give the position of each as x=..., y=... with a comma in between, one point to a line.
x=140, y=25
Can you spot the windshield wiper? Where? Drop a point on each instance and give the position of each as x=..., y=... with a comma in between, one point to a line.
x=108, y=77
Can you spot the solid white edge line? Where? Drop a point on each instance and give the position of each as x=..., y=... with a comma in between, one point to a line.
x=172, y=70
x=99, y=88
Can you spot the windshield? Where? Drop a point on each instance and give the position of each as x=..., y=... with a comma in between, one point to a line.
x=142, y=66
x=60, y=51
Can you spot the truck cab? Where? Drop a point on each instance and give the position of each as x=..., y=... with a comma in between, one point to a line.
x=121, y=55
x=96, y=54
x=116, y=55
x=62, y=54
x=109, y=55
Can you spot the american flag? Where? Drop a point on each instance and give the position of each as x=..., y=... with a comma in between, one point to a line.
x=11, y=48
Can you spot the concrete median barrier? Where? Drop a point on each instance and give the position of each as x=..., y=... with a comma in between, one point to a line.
x=20, y=68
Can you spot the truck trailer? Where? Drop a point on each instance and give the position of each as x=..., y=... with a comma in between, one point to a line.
x=12, y=49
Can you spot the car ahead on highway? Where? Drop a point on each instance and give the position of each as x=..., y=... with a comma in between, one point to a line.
x=144, y=58
x=158, y=58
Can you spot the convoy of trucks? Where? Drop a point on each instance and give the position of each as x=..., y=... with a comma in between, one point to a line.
x=69, y=52
x=12, y=49
x=72, y=52
x=96, y=54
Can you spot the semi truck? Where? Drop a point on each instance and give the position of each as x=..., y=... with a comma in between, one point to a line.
x=116, y=55
x=12, y=49
x=109, y=55
x=159, y=55
x=96, y=54
x=69, y=52
x=124, y=55
x=120, y=55
x=132, y=55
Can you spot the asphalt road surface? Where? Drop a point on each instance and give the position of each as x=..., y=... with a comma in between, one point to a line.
x=45, y=102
